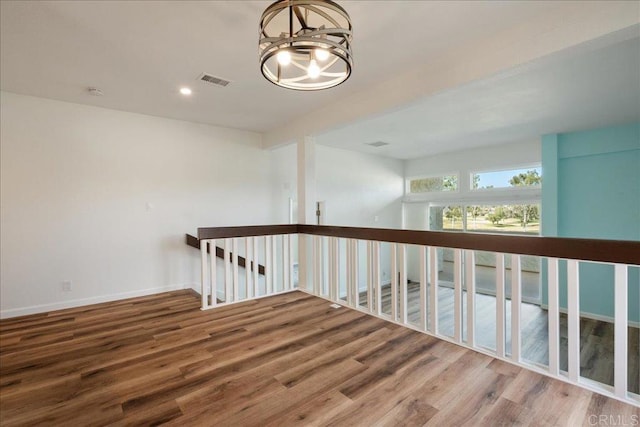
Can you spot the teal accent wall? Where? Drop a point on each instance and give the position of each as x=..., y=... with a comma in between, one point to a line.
x=591, y=189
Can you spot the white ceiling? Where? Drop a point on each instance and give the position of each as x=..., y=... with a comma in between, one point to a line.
x=572, y=91
x=139, y=53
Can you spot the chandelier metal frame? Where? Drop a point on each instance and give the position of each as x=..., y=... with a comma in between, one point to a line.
x=301, y=28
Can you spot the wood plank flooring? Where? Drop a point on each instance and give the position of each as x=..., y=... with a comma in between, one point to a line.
x=278, y=361
x=596, y=337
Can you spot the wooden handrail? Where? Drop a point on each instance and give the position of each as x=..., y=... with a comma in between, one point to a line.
x=611, y=251
x=242, y=262
x=248, y=231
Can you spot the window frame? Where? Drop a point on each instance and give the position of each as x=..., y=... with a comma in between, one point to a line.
x=528, y=166
x=430, y=176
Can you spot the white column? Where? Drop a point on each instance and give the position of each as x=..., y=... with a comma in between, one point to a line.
x=306, y=203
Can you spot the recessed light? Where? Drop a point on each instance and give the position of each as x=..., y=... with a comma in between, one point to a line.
x=185, y=91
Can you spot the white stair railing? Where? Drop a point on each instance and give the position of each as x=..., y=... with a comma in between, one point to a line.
x=250, y=267
x=337, y=258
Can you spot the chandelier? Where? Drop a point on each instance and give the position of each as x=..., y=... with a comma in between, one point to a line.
x=305, y=44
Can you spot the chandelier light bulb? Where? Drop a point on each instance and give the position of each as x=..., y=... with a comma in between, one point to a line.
x=321, y=54
x=313, y=71
x=284, y=57
x=305, y=44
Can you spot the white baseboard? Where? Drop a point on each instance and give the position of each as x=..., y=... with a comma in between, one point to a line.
x=43, y=308
x=593, y=316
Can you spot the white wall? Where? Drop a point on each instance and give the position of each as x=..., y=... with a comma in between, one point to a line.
x=103, y=198
x=360, y=190
x=284, y=169
x=358, y=187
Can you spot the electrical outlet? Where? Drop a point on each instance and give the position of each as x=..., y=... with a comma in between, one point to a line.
x=66, y=286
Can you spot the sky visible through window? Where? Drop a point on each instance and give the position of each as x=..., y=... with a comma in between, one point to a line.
x=500, y=179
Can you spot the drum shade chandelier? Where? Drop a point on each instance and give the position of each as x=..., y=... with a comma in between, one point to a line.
x=305, y=44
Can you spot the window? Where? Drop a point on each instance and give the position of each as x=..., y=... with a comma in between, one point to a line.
x=434, y=184
x=511, y=219
x=504, y=218
x=529, y=177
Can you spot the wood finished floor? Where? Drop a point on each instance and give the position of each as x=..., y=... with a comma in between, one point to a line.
x=283, y=360
x=596, y=337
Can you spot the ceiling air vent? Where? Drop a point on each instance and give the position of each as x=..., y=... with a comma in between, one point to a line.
x=377, y=144
x=213, y=80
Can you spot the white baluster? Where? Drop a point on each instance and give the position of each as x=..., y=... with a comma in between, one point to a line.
x=248, y=257
x=267, y=265
x=203, y=273
x=236, y=281
x=228, y=285
x=290, y=261
x=470, y=280
x=285, y=262
x=356, y=265
x=554, y=317
x=274, y=263
x=457, y=294
x=573, y=319
x=370, y=276
x=256, y=267
x=377, y=278
x=314, y=265
x=394, y=281
x=402, y=261
x=333, y=277
x=213, y=269
x=433, y=290
x=620, y=330
x=500, y=306
x=423, y=287
x=349, y=275
x=322, y=263
x=516, y=292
